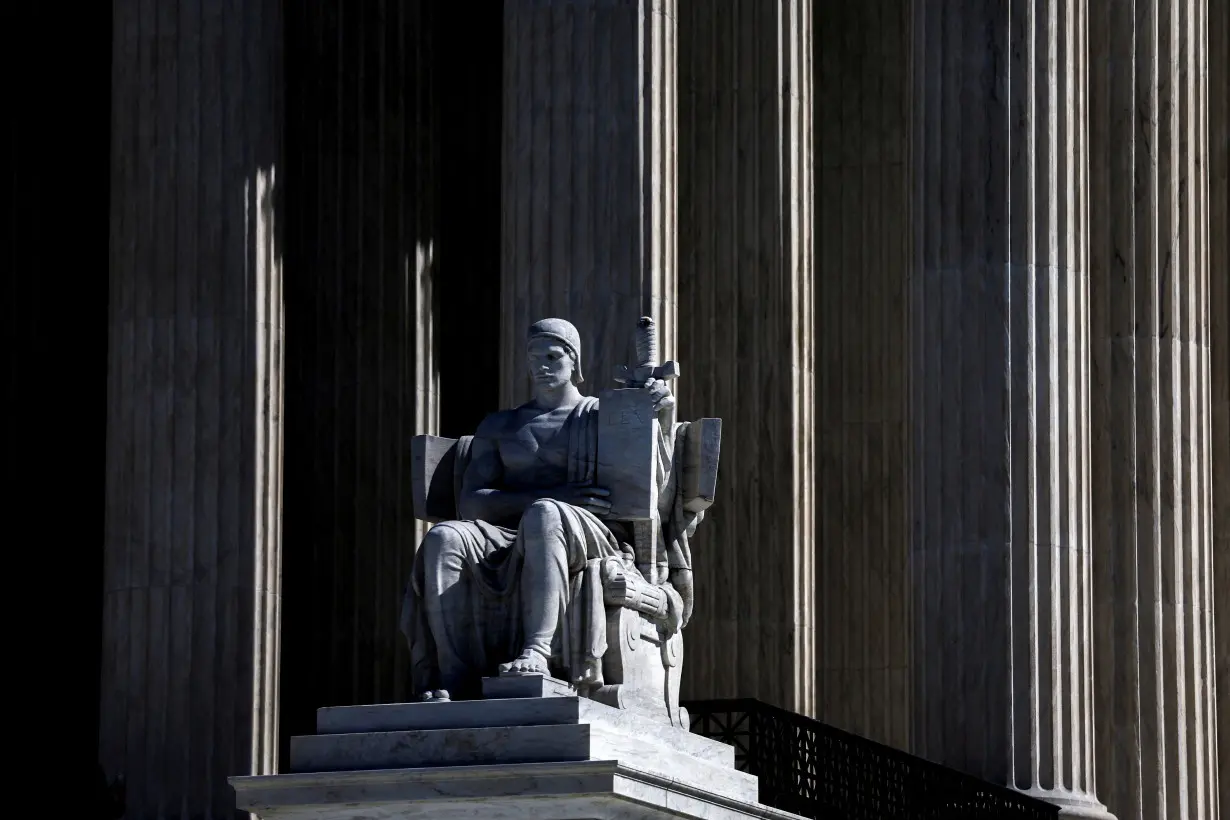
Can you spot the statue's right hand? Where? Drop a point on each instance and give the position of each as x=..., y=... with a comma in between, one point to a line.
x=593, y=499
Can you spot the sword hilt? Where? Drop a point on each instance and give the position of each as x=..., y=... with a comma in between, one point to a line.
x=646, y=343
x=647, y=367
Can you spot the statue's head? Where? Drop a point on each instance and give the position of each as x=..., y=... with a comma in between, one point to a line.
x=554, y=353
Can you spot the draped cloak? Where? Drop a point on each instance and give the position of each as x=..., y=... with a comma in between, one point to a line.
x=492, y=557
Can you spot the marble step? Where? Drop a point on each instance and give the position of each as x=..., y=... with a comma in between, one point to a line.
x=615, y=790
x=526, y=686
x=481, y=714
x=512, y=746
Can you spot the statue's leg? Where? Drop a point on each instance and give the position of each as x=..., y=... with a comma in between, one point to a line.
x=444, y=599
x=544, y=583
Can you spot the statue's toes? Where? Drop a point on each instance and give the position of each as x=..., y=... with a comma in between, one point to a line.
x=435, y=696
x=525, y=665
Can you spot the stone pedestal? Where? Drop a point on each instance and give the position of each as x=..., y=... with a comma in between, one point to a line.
x=510, y=757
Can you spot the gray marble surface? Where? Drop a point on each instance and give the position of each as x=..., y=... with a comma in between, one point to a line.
x=526, y=686
x=1000, y=552
x=614, y=790
x=515, y=745
x=537, y=713
x=1149, y=456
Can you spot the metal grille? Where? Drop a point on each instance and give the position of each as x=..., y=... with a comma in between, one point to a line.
x=814, y=770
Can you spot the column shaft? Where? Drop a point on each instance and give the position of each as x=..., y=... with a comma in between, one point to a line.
x=1217, y=95
x=1002, y=654
x=1151, y=411
x=192, y=547
x=863, y=256
x=745, y=339
x=589, y=178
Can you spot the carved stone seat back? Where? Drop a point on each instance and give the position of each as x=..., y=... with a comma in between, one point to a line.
x=435, y=481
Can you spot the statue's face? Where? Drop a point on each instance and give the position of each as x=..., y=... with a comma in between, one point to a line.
x=550, y=364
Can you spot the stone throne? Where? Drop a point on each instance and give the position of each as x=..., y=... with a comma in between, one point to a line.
x=642, y=665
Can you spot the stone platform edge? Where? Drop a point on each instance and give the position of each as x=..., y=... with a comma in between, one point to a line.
x=514, y=787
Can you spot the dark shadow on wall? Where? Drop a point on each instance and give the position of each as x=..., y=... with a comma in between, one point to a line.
x=392, y=236
x=55, y=261
x=469, y=80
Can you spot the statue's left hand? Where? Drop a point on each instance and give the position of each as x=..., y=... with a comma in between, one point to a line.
x=663, y=399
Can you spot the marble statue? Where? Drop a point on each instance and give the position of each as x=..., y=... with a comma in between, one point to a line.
x=561, y=545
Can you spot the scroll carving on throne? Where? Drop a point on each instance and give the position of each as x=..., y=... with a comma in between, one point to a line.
x=561, y=544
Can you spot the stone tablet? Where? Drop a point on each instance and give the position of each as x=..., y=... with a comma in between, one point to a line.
x=627, y=453
x=704, y=446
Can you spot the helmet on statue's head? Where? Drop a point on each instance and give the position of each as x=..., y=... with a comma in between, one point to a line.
x=563, y=332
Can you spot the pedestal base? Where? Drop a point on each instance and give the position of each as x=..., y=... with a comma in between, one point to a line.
x=607, y=789
x=520, y=758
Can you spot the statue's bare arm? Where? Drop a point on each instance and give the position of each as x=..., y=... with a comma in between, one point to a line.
x=482, y=499
x=481, y=496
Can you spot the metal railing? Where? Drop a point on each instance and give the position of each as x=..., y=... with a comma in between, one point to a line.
x=811, y=769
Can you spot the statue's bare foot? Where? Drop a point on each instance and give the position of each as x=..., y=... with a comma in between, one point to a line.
x=435, y=696
x=530, y=662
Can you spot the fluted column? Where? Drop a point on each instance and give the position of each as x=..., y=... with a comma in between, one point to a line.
x=193, y=501
x=589, y=178
x=1002, y=654
x=1152, y=533
x=745, y=342
x=1217, y=95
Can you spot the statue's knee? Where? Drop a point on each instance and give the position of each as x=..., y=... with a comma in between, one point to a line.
x=542, y=516
x=440, y=542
